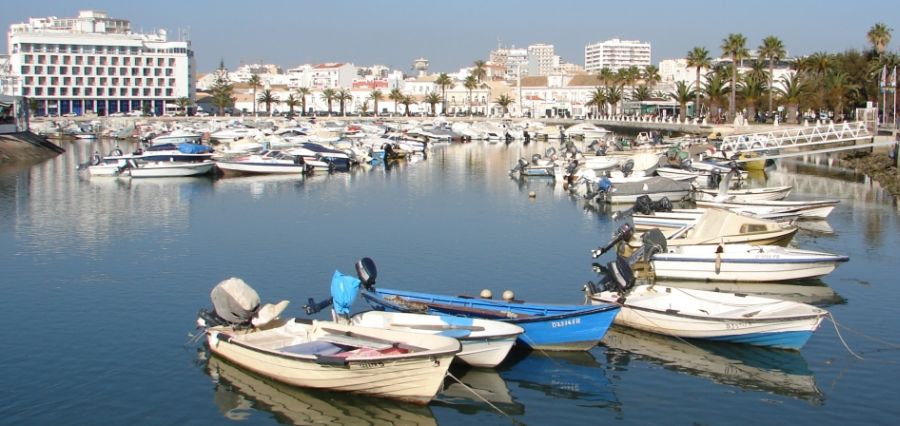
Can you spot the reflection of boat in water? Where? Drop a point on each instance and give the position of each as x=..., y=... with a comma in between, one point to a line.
x=748, y=367
x=239, y=392
x=814, y=293
x=485, y=383
x=562, y=375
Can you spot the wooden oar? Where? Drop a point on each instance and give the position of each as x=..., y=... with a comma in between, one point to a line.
x=440, y=326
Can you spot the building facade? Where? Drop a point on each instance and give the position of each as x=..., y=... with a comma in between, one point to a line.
x=615, y=54
x=96, y=64
x=541, y=59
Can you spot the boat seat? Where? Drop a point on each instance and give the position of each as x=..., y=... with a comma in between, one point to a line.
x=455, y=333
x=313, y=348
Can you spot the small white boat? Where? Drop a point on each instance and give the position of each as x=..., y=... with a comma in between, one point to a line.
x=324, y=354
x=177, y=136
x=112, y=165
x=698, y=314
x=669, y=222
x=139, y=169
x=744, y=195
x=266, y=162
x=629, y=190
x=485, y=343
x=806, y=209
x=718, y=226
x=742, y=262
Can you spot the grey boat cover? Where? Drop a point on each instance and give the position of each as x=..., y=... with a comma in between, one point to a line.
x=234, y=300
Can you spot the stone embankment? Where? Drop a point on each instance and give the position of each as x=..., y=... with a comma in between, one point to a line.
x=26, y=147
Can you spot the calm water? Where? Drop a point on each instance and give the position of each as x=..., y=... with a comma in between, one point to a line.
x=102, y=279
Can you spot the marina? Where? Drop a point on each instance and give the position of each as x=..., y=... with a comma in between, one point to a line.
x=143, y=254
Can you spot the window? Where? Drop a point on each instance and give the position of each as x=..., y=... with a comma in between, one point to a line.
x=146, y=92
x=38, y=70
x=29, y=81
x=67, y=81
x=51, y=70
x=114, y=82
x=135, y=92
x=157, y=92
x=102, y=60
x=42, y=81
x=54, y=59
x=114, y=60
x=63, y=91
x=76, y=91
x=79, y=81
x=171, y=62
x=90, y=60
x=38, y=91
x=51, y=91
x=42, y=59
x=63, y=70
x=26, y=69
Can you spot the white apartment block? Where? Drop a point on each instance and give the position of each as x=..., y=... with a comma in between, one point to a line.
x=513, y=60
x=94, y=63
x=615, y=54
x=541, y=59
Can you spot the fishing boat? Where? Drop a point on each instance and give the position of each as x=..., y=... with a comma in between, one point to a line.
x=744, y=195
x=670, y=222
x=629, y=190
x=485, y=343
x=323, y=354
x=811, y=209
x=699, y=314
x=547, y=327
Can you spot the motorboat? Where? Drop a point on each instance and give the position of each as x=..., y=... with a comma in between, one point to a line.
x=314, y=151
x=266, y=162
x=113, y=164
x=629, y=190
x=235, y=134
x=718, y=226
x=177, y=136
x=671, y=221
x=547, y=327
x=811, y=209
x=323, y=354
x=141, y=169
x=709, y=315
x=744, y=195
x=485, y=343
x=178, y=152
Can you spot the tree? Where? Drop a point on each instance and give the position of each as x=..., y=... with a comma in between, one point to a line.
x=698, y=58
x=606, y=77
x=791, y=93
x=716, y=91
x=613, y=96
x=752, y=88
x=364, y=108
x=183, y=103
x=406, y=100
x=504, y=101
x=651, y=76
x=222, y=91
x=479, y=71
x=303, y=92
x=268, y=98
x=342, y=96
x=837, y=87
x=328, y=96
x=879, y=36
x=376, y=96
x=292, y=102
x=682, y=94
x=597, y=100
x=771, y=49
x=433, y=99
x=254, y=83
x=444, y=81
x=735, y=45
x=397, y=97
x=470, y=84
x=641, y=94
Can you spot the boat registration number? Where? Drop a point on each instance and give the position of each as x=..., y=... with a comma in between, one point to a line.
x=565, y=323
x=736, y=325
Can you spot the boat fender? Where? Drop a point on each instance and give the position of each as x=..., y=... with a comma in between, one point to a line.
x=719, y=250
x=95, y=159
x=509, y=296
x=486, y=294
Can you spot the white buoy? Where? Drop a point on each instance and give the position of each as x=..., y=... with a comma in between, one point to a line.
x=532, y=194
x=509, y=296
x=486, y=294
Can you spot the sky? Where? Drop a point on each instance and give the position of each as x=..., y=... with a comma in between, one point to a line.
x=453, y=34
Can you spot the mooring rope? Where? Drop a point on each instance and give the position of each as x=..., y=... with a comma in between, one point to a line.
x=465, y=386
x=836, y=330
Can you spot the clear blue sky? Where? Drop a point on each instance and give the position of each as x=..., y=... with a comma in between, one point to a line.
x=452, y=34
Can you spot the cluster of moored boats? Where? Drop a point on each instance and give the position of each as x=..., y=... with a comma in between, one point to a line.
x=403, y=347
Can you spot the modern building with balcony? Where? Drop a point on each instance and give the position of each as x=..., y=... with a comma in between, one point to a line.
x=96, y=64
x=616, y=54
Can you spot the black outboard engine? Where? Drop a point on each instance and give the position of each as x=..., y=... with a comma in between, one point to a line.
x=663, y=205
x=627, y=168
x=535, y=158
x=527, y=137
x=715, y=178
x=686, y=164
x=619, y=276
x=366, y=272
x=643, y=205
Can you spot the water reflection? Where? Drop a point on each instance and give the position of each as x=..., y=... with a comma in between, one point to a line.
x=562, y=375
x=813, y=292
x=240, y=393
x=478, y=385
x=748, y=367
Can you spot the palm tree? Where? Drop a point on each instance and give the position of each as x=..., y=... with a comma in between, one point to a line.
x=479, y=70
x=376, y=96
x=879, y=36
x=735, y=45
x=651, y=76
x=613, y=96
x=444, y=81
x=791, y=93
x=682, y=94
x=254, y=83
x=433, y=99
x=328, y=95
x=641, y=94
x=268, y=98
x=606, y=76
x=395, y=96
x=837, y=87
x=470, y=84
x=752, y=88
x=342, y=96
x=698, y=58
x=716, y=91
x=303, y=92
x=504, y=101
x=819, y=63
x=291, y=101
x=771, y=49
x=183, y=103
x=597, y=100
x=406, y=101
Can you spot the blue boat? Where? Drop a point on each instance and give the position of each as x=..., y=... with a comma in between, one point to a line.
x=547, y=327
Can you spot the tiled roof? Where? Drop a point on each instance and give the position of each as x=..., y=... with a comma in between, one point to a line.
x=590, y=80
x=534, y=81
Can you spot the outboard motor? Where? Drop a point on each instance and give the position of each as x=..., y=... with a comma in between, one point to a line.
x=234, y=303
x=643, y=205
x=527, y=137
x=686, y=164
x=367, y=272
x=519, y=167
x=715, y=178
x=628, y=168
x=663, y=205
x=535, y=158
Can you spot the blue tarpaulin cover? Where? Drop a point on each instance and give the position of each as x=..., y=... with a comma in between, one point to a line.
x=193, y=148
x=344, y=289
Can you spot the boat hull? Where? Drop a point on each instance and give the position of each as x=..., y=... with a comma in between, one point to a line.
x=746, y=195
x=744, y=263
x=260, y=168
x=171, y=169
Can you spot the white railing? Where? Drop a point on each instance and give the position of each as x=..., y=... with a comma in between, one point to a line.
x=797, y=137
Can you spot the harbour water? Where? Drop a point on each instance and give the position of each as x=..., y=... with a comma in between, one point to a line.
x=102, y=280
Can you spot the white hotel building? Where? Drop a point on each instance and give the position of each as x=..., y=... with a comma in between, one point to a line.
x=615, y=54
x=94, y=63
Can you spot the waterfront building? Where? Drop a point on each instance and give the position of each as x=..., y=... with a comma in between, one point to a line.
x=95, y=64
x=615, y=54
x=513, y=62
x=541, y=59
